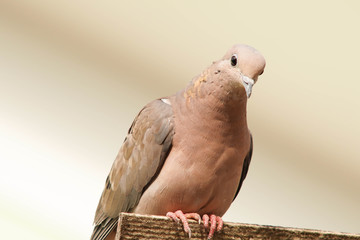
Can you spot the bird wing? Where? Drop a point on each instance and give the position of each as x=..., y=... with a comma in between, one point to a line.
x=246, y=165
x=136, y=166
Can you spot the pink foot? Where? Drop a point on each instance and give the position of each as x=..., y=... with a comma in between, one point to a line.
x=216, y=223
x=180, y=216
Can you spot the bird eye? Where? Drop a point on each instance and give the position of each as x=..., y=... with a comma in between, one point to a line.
x=233, y=60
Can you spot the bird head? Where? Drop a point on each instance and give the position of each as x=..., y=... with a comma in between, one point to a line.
x=244, y=65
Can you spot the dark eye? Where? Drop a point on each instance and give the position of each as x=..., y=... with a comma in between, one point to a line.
x=233, y=60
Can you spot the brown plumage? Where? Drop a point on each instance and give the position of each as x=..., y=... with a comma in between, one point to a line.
x=190, y=151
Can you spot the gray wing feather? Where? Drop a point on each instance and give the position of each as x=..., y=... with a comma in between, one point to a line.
x=137, y=164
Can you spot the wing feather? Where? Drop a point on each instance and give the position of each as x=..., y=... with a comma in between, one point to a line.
x=245, y=168
x=137, y=164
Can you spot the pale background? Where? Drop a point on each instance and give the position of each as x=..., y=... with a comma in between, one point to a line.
x=73, y=75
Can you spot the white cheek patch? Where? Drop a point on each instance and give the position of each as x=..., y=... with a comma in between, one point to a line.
x=166, y=100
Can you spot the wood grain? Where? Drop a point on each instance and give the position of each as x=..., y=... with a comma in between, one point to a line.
x=135, y=226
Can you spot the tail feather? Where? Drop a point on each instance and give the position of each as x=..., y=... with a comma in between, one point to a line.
x=101, y=231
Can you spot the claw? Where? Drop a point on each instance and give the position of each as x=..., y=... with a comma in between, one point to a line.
x=183, y=218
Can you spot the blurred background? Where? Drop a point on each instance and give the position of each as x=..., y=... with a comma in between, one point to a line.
x=74, y=74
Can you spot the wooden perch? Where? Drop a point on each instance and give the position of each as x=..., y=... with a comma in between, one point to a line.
x=135, y=226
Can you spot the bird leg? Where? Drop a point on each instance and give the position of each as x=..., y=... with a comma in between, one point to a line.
x=216, y=223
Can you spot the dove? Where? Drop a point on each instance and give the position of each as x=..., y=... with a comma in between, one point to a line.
x=186, y=156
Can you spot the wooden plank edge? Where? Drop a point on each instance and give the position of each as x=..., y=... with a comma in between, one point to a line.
x=136, y=226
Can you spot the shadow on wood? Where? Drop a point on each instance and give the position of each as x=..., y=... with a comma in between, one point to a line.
x=135, y=226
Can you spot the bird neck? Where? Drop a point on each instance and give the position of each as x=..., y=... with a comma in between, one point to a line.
x=214, y=108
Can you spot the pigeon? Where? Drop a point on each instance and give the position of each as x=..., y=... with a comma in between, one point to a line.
x=186, y=156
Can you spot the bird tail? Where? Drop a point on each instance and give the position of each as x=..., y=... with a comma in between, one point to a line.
x=101, y=231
